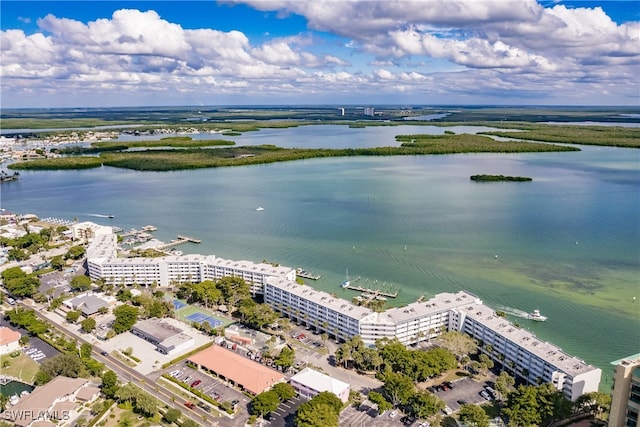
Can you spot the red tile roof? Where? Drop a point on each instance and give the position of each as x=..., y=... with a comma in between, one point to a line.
x=252, y=376
x=8, y=335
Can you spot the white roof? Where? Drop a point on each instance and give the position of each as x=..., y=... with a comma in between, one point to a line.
x=318, y=381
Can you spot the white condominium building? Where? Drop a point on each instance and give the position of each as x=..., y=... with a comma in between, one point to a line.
x=335, y=316
x=526, y=355
x=518, y=350
x=103, y=263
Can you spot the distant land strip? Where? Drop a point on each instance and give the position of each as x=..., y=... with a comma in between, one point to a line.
x=613, y=136
x=193, y=158
x=496, y=178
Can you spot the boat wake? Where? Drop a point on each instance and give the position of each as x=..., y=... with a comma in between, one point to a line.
x=514, y=312
x=99, y=215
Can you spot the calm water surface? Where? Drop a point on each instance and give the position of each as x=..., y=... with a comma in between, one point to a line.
x=566, y=243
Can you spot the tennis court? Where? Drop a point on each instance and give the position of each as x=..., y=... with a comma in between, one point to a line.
x=201, y=317
x=177, y=304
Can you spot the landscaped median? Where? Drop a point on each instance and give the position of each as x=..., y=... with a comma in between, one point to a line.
x=198, y=393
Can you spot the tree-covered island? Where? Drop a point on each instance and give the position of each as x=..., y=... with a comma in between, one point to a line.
x=195, y=156
x=495, y=178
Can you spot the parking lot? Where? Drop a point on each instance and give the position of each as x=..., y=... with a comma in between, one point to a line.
x=460, y=392
x=367, y=415
x=38, y=350
x=213, y=387
x=285, y=414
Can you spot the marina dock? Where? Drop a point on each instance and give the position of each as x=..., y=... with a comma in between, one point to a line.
x=189, y=239
x=370, y=293
x=180, y=241
x=306, y=274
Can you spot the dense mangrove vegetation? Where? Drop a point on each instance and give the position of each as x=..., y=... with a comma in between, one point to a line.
x=192, y=158
x=173, y=141
x=471, y=143
x=494, y=178
x=614, y=136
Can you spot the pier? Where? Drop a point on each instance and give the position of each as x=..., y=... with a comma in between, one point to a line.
x=180, y=241
x=306, y=275
x=189, y=239
x=370, y=293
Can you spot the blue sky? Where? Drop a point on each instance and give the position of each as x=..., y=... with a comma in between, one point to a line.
x=515, y=52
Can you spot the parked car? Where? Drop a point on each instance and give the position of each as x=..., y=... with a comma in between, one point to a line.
x=393, y=414
x=485, y=395
x=196, y=383
x=447, y=410
x=491, y=391
x=234, y=403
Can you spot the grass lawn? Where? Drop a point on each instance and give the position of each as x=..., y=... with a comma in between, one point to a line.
x=122, y=415
x=22, y=367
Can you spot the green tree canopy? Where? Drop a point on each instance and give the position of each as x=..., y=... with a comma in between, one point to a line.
x=126, y=317
x=22, y=287
x=85, y=350
x=127, y=393
x=398, y=388
x=172, y=415
x=75, y=252
x=473, y=416
x=65, y=364
x=377, y=398
x=13, y=273
x=423, y=404
x=321, y=411
x=316, y=415
x=458, y=343
x=88, y=324
x=286, y=358
x=73, y=316
x=504, y=382
x=285, y=391
x=109, y=384
x=80, y=283
x=265, y=403
x=146, y=404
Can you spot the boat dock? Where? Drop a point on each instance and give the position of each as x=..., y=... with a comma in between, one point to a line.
x=306, y=274
x=371, y=293
x=189, y=239
x=180, y=241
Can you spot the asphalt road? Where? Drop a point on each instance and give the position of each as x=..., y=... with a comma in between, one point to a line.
x=125, y=373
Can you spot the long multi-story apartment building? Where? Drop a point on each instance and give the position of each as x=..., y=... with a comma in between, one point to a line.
x=103, y=263
x=517, y=350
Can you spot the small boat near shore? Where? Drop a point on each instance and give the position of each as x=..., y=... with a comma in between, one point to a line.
x=535, y=315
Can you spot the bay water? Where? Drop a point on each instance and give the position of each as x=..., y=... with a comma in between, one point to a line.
x=567, y=243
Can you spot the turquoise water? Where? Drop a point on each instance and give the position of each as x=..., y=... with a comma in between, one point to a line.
x=566, y=243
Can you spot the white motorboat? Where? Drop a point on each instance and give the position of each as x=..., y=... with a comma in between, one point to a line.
x=535, y=315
